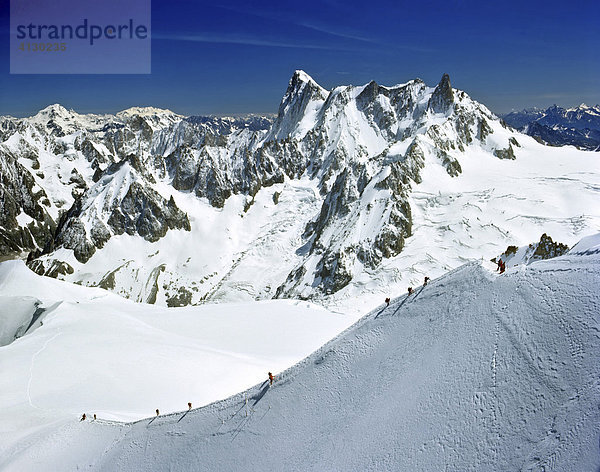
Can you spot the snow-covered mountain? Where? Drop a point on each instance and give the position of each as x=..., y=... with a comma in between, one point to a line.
x=345, y=195
x=474, y=371
x=577, y=126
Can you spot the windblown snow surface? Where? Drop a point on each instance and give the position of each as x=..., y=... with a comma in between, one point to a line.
x=93, y=351
x=475, y=371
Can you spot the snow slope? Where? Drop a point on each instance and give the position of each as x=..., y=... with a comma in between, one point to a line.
x=99, y=353
x=473, y=372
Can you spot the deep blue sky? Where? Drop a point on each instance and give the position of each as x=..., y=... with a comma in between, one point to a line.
x=237, y=57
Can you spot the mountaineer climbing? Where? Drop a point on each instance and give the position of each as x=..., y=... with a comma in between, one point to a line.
x=82, y=417
x=387, y=301
x=410, y=290
x=426, y=280
x=271, y=378
x=189, y=406
x=157, y=412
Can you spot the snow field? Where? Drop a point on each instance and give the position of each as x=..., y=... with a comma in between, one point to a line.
x=99, y=353
x=472, y=372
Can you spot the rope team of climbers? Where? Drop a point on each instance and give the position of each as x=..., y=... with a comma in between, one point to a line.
x=271, y=380
x=501, y=268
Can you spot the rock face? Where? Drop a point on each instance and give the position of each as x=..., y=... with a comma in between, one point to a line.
x=24, y=221
x=72, y=182
x=546, y=248
x=443, y=97
x=140, y=211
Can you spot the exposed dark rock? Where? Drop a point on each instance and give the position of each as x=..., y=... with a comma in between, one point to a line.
x=184, y=168
x=547, y=249
x=50, y=268
x=143, y=211
x=507, y=153
x=483, y=130
x=292, y=281
x=442, y=98
x=450, y=163
x=463, y=128
x=73, y=236
x=77, y=180
x=390, y=240
x=17, y=196
x=337, y=204
x=108, y=281
x=334, y=271
x=183, y=297
x=153, y=282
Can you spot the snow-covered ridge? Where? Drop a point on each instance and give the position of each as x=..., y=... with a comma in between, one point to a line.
x=95, y=350
x=472, y=371
x=146, y=111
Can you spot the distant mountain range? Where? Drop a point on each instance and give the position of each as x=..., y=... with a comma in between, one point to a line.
x=556, y=126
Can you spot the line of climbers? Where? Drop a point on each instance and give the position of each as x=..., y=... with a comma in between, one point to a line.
x=271, y=380
x=410, y=291
x=501, y=268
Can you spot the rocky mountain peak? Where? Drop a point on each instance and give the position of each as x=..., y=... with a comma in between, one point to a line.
x=302, y=83
x=57, y=119
x=443, y=97
x=299, y=76
x=370, y=92
x=302, y=91
x=55, y=113
x=354, y=154
x=54, y=110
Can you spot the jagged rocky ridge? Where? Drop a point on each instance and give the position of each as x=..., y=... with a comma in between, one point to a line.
x=72, y=182
x=544, y=249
